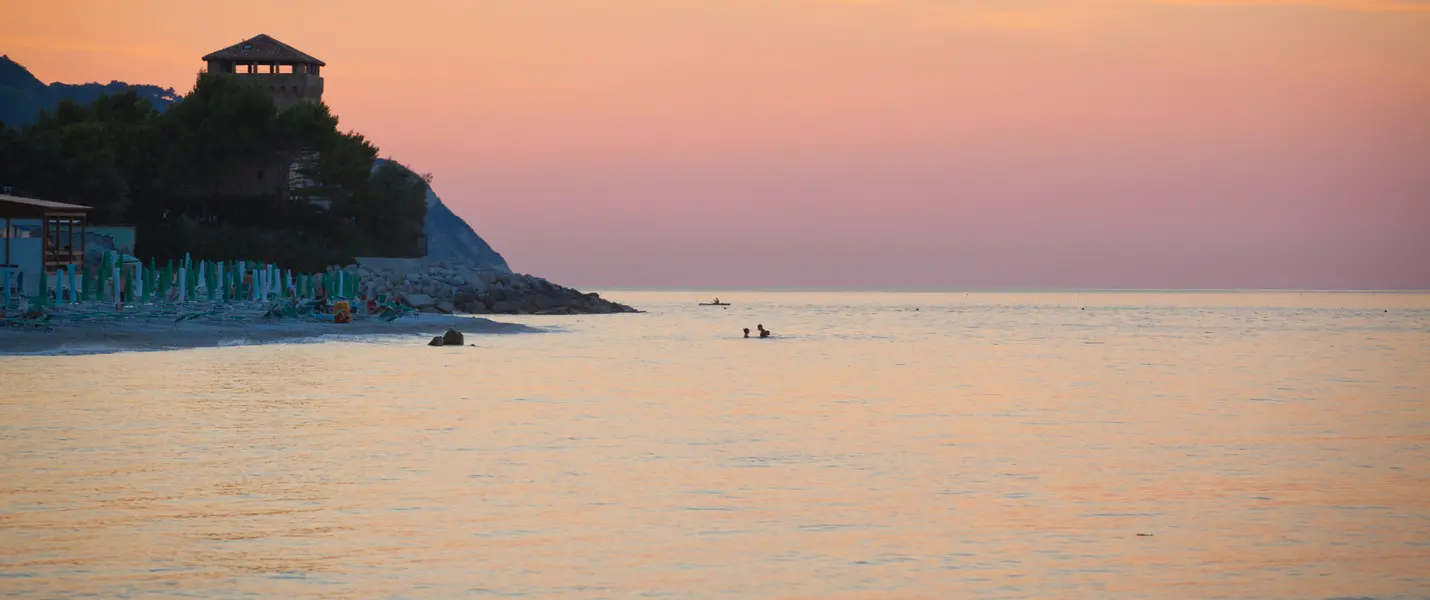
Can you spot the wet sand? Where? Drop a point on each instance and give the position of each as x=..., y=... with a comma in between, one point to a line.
x=148, y=333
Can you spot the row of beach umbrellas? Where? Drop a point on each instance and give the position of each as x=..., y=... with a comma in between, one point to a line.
x=122, y=279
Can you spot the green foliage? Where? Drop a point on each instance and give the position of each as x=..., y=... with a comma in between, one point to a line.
x=23, y=97
x=210, y=176
x=218, y=125
x=393, y=207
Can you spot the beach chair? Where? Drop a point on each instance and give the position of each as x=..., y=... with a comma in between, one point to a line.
x=25, y=321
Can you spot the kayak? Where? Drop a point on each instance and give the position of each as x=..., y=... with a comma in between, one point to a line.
x=714, y=303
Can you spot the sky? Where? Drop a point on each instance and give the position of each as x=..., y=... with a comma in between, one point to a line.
x=1031, y=144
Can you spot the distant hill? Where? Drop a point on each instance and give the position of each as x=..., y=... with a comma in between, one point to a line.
x=450, y=238
x=77, y=174
x=23, y=96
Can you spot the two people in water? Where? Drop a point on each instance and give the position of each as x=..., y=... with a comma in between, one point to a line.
x=764, y=333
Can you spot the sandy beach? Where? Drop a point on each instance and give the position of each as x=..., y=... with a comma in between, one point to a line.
x=151, y=331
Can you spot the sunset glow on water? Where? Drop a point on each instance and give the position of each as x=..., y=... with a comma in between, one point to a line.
x=879, y=446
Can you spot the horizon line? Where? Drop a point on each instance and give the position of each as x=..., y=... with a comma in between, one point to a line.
x=949, y=290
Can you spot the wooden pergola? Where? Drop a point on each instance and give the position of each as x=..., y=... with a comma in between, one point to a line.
x=58, y=222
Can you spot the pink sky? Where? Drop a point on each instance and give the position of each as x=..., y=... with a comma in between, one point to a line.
x=861, y=143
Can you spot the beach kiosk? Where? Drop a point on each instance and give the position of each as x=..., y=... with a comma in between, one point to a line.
x=58, y=245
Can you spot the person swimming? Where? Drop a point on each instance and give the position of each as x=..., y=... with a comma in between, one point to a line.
x=747, y=333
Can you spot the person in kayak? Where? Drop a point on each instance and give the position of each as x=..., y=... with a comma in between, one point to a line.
x=764, y=333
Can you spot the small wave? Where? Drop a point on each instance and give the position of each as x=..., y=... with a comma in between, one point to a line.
x=141, y=340
x=80, y=349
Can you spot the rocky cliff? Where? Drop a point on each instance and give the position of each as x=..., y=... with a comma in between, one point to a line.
x=450, y=238
x=462, y=273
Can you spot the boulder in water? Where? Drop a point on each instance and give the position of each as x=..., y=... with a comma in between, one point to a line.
x=436, y=341
x=452, y=338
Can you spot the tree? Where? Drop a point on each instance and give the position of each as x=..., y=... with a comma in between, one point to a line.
x=393, y=207
x=169, y=173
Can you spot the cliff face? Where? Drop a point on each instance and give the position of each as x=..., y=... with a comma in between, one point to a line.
x=449, y=238
x=23, y=96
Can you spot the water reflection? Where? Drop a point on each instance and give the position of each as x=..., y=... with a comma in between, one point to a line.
x=1273, y=446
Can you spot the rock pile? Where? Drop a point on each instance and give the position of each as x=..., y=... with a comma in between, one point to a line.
x=447, y=288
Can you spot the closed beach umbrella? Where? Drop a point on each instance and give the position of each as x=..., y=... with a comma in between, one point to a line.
x=101, y=282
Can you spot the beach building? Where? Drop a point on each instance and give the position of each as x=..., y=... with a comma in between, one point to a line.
x=289, y=76
x=286, y=73
x=58, y=244
x=95, y=240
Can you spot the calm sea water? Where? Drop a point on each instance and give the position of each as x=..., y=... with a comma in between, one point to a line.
x=881, y=446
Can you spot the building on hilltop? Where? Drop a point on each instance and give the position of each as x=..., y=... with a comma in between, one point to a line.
x=287, y=74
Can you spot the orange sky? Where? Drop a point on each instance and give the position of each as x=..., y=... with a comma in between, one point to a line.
x=861, y=142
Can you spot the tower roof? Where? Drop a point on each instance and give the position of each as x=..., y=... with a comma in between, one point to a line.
x=264, y=49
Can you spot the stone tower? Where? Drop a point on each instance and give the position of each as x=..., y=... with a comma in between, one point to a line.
x=287, y=74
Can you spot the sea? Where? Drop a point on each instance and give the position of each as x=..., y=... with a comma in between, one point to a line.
x=1102, y=445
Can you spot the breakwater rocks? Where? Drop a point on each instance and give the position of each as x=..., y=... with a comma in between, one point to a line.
x=446, y=287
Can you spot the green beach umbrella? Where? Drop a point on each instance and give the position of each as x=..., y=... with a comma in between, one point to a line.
x=44, y=288
x=102, y=279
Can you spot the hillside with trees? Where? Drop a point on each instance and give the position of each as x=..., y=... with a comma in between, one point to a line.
x=165, y=173
x=23, y=96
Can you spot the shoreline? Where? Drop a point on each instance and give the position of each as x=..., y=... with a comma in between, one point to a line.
x=157, y=335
